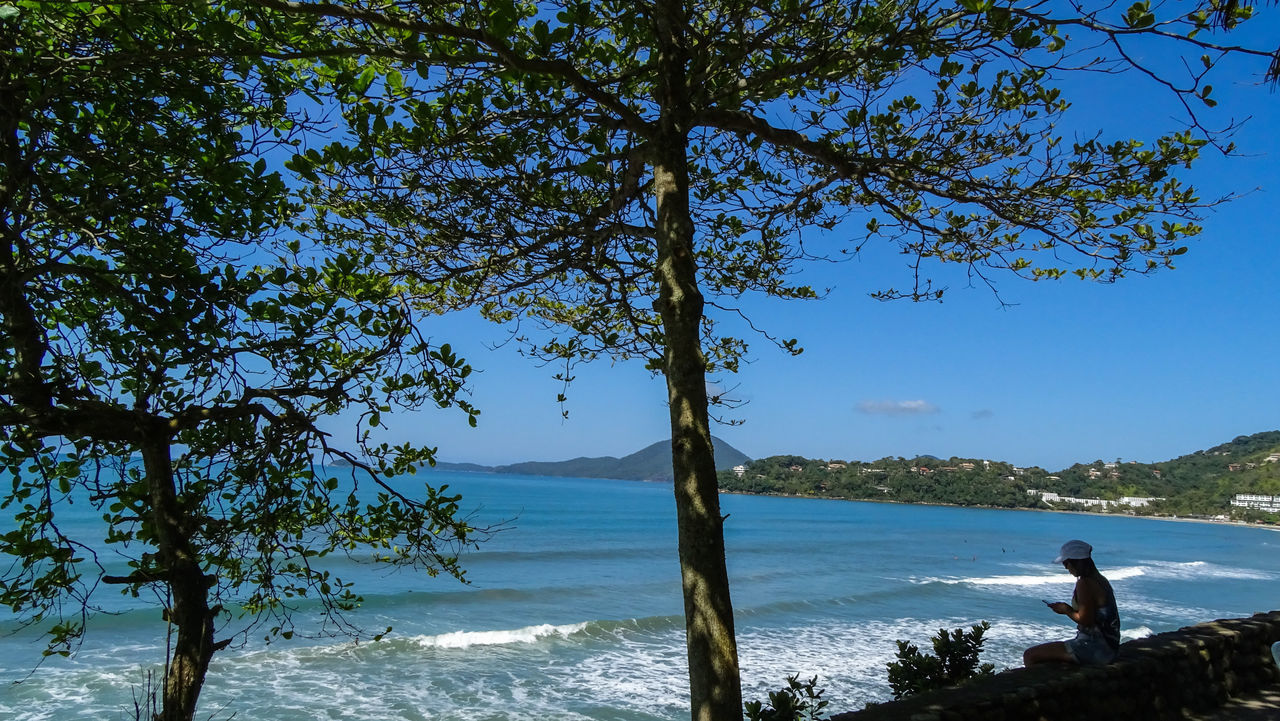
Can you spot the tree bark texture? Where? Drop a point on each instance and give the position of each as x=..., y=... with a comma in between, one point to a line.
x=714, y=684
x=188, y=609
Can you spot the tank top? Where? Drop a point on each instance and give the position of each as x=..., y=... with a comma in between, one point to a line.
x=1106, y=620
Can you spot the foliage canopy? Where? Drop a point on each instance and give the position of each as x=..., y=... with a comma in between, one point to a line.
x=625, y=174
x=170, y=349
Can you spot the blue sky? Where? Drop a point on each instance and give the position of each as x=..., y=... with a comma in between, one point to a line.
x=1146, y=369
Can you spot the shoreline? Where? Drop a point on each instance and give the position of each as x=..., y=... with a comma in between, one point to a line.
x=1176, y=519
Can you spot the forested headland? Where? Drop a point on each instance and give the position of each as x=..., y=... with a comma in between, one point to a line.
x=1199, y=484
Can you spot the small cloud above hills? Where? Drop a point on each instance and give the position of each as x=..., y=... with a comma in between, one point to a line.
x=897, y=408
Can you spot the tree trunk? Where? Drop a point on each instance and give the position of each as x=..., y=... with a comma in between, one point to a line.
x=188, y=611
x=714, y=685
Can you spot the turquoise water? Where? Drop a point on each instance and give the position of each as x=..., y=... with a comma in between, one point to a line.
x=574, y=611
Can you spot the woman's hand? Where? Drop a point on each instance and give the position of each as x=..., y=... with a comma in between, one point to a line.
x=1060, y=607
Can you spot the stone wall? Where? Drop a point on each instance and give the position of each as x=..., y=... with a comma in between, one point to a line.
x=1158, y=678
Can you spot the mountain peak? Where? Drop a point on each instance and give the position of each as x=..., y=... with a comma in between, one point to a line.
x=651, y=463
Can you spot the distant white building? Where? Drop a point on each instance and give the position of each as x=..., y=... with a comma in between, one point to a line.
x=739, y=471
x=1089, y=502
x=1049, y=497
x=1256, y=501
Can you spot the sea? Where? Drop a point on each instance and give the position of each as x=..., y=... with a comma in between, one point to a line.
x=573, y=611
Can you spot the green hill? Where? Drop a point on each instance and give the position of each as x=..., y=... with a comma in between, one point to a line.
x=1200, y=483
x=652, y=463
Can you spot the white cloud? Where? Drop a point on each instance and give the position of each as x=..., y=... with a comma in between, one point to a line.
x=897, y=408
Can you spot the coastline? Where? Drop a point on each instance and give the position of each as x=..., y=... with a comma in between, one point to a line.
x=1177, y=519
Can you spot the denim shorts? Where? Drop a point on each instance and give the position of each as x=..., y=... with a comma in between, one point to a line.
x=1091, y=650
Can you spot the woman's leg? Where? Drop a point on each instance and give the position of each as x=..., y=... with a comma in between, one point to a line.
x=1053, y=652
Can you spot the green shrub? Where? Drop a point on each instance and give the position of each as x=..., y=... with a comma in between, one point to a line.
x=797, y=701
x=956, y=660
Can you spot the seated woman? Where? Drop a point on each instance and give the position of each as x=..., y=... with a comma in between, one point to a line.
x=1093, y=608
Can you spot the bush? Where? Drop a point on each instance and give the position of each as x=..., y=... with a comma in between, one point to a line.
x=797, y=701
x=956, y=660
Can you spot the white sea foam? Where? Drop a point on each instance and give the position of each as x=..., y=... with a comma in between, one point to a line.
x=528, y=634
x=1166, y=608
x=1130, y=634
x=850, y=659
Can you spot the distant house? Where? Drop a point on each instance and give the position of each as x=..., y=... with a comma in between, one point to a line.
x=1136, y=502
x=967, y=466
x=796, y=469
x=1095, y=473
x=1234, y=467
x=739, y=471
x=836, y=466
x=1272, y=458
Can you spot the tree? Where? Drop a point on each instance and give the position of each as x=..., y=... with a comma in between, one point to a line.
x=169, y=349
x=624, y=173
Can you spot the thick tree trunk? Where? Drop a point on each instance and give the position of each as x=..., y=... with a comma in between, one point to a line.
x=714, y=685
x=188, y=610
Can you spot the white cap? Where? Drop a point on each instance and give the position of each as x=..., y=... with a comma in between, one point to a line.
x=1074, y=549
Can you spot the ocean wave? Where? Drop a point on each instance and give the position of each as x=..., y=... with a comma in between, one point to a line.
x=1162, y=570
x=1201, y=570
x=528, y=634
x=596, y=629
x=1057, y=579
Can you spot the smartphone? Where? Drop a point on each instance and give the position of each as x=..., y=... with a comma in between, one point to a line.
x=1047, y=603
